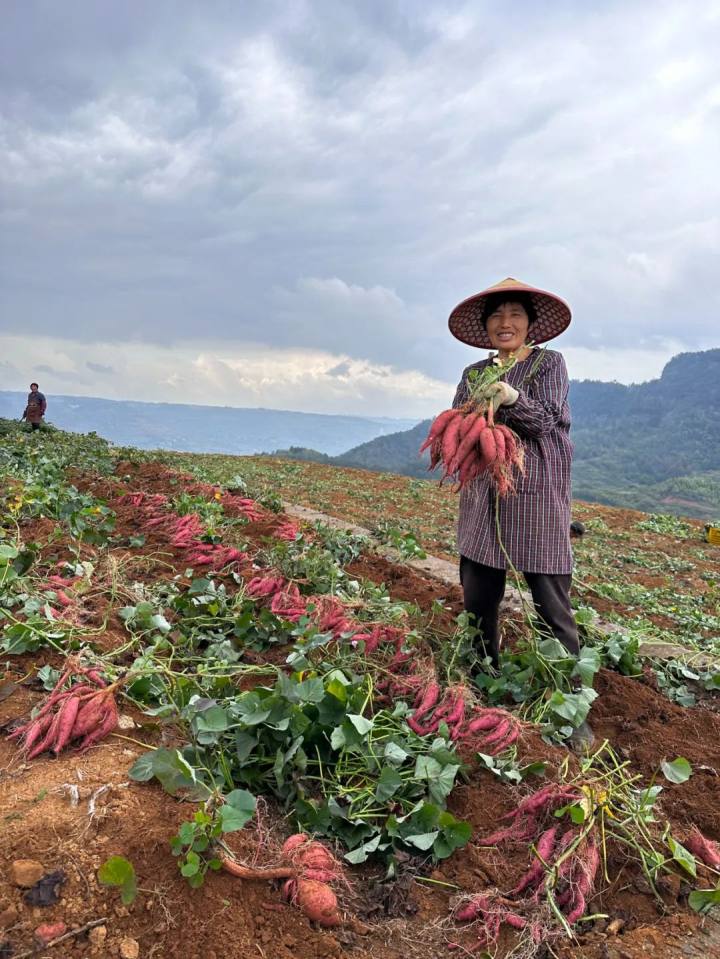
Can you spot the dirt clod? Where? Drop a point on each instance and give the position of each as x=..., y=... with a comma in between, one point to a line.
x=97, y=936
x=26, y=872
x=8, y=916
x=129, y=949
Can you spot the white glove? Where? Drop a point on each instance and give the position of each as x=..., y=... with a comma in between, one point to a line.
x=503, y=394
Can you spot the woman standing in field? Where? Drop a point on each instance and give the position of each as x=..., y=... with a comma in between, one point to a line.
x=529, y=529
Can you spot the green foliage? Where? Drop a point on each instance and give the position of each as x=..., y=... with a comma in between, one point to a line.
x=506, y=768
x=366, y=780
x=195, y=844
x=119, y=871
x=682, y=682
x=344, y=546
x=554, y=687
x=669, y=526
x=704, y=900
x=404, y=541
x=312, y=564
x=677, y=771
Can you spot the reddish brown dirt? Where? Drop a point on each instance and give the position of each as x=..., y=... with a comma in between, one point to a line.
x=406, y=584
x=646, y=728
x=228, y=918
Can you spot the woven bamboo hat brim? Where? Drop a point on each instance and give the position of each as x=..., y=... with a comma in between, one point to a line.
x=553, y=314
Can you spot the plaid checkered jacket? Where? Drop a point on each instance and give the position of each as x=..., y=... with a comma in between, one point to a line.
x=535, y=523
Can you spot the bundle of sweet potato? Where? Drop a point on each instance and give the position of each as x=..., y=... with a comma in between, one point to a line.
x=489, y=911
x=468, y=442
x=65, y=603
x=85, y=711
x=487, y=729
x=215, y=556
x=308, y=868
x=284, y=599
x=181, y=532
x=573, y=859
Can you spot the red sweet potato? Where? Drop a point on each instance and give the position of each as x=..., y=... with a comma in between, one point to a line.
x=499, y=438
x=107, y=724
x=499, y=733
x=511, y=444
x=488, y=446
x=469, y=469
x=472, y=425
x=536, y=872
x=47, y=740
x=66, y=720
x=450, y=441
x=248, y=872
x=486, y=719
x=318, y=902
x=293, y=842
x=472, y=910
x=703, y=848
x=428, y=701
x=37, y=729
x=578, y=908
x=89, y=715
x=438, y=426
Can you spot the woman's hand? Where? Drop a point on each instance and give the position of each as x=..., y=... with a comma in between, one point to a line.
x=503, y=394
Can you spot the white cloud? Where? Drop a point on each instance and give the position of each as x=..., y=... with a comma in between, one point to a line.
x=330, y=179
x=623, y=366
x=212, y=374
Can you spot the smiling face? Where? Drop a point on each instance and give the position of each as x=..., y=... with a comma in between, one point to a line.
x=507, y=327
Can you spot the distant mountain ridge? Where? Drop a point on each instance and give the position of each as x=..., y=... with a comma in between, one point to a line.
x=204, y=429
x=653, y=446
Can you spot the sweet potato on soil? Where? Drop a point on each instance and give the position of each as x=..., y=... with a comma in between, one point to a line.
x=704, y=849
x=86, y=711
x=318, y=902
x=308, y=868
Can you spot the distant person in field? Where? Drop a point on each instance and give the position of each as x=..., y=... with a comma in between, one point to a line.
x=36, y=406
x=534, y=523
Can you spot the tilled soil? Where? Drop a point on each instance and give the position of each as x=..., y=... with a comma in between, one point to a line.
x=72, y=813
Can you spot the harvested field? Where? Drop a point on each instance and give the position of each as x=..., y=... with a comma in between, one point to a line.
x=204, y=653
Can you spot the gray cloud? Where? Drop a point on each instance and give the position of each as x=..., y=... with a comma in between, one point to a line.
x=52, y=371
x=341, y=369
x=338, y=176
x=99, y=368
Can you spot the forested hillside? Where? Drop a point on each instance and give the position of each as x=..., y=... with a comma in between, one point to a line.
x=653, y=446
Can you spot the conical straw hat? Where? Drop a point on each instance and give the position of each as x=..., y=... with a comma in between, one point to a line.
x=553, y=314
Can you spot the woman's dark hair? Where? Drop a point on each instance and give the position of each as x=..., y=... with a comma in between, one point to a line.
x=496, y=300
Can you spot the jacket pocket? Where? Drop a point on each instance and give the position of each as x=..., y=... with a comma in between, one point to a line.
x=531, y=479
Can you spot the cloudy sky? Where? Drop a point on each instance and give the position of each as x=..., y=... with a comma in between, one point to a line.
x=278, y=203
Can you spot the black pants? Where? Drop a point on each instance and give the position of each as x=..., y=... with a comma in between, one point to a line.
x=484, y=588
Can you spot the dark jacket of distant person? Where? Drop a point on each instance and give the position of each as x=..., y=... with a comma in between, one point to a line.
x=36, y=405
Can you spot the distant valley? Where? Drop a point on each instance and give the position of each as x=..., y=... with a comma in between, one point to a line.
x=205, y=429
